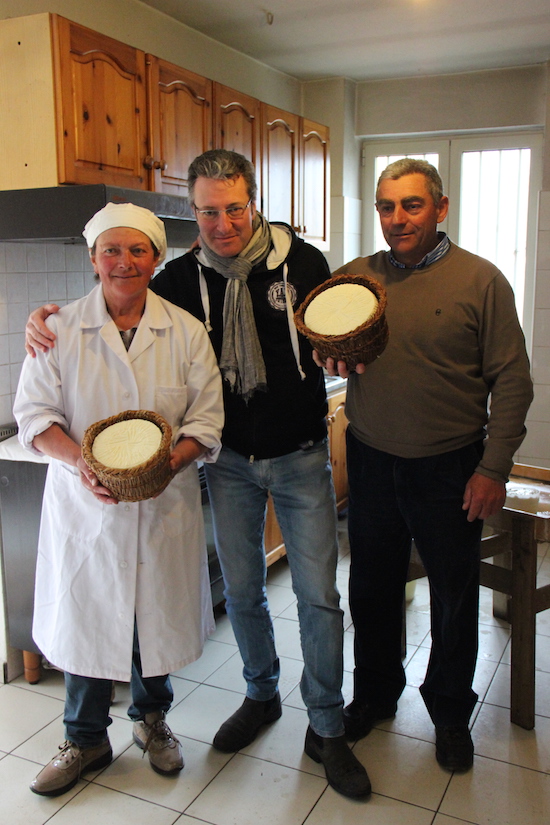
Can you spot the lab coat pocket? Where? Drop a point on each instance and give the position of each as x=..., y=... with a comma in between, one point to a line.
x=171, y=403
x=79, y=513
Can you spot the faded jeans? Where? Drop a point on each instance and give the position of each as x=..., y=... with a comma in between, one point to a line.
x=303, y=495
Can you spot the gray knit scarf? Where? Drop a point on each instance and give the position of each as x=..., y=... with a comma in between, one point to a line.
x=241, y=362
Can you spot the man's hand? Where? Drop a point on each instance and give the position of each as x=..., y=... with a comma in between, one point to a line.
x=37, y=334
x=92, y=483
x=337, y=367
x=483, y=497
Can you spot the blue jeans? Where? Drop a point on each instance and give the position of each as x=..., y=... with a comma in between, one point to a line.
x=303, y=495
x=87, y=702
x=391, y=501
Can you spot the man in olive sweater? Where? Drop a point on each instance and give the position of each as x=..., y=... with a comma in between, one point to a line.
x=426, y=460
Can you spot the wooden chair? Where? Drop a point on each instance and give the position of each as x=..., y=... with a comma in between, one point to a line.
x=511, y=542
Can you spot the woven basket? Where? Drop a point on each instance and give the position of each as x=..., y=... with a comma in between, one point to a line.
x=363, y=344
x=136, y=483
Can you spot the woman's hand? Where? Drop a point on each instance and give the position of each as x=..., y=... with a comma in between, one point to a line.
x=91, y=482
x=184, y=453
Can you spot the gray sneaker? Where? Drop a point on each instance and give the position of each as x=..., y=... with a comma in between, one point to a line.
x=156, y=739
x=65, y=769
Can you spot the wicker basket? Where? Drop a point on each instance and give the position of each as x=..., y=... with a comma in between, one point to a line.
x=136, y=483
x=363, y=344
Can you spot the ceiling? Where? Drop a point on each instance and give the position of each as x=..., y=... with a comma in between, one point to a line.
x=369, y=39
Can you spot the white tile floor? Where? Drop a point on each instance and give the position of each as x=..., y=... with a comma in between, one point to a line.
x=272, y=782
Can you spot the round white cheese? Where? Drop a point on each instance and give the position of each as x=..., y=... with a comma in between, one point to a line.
x=340, y=309
x=127, y=443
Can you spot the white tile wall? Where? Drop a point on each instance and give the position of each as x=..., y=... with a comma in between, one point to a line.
x=536, y=447
x=32, y=274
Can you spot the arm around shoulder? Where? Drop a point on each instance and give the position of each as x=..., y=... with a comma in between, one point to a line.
x=37, y=335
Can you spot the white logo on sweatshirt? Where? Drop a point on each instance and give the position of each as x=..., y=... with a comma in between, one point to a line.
x=276, y=295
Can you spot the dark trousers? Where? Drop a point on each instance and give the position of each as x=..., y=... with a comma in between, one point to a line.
x=392, y=500
x=87, y=702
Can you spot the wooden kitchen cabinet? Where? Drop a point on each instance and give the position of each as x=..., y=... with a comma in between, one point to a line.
x=296, y=174
x=273, y=538
x=180, y=123
x=79, y=107
x=237, y=126
x=281, y=166
x=74, y=109
x=92, y=119
x=315, y=184
x=102, y=107
x=28, y=125
x=337, y=424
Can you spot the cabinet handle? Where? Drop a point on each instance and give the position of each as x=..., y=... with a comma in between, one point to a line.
x=150, y=163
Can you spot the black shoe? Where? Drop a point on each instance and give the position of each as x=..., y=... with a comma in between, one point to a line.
x=243, y=727
x=344, y=771
x=454, y=749
x=360, y=718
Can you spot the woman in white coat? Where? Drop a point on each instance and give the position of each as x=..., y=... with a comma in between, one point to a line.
x=122, y=589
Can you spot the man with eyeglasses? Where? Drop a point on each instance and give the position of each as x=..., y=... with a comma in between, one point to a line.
x=244, y=281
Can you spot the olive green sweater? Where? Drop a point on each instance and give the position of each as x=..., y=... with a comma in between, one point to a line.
x=455, y=346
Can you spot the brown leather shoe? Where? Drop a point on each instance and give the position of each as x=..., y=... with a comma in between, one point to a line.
x=244, y=725
x=360, y=718
x=156, y=739
x=343, y=770
x=454, y=749
x=65, y=769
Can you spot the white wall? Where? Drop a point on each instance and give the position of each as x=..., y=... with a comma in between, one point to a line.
x=536, y=447
x=491, y=99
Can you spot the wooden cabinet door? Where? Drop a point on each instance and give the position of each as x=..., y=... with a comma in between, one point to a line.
x=237, y=126
x=180, y=123
x=315, y=184
x=337, y=424
x=102, y=124
x=281, y=158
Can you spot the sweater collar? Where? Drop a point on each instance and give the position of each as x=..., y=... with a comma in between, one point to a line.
x=435, y=255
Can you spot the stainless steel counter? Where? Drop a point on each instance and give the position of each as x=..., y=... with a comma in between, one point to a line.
x=334, y=383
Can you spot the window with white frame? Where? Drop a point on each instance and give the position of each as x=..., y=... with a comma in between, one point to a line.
x=492, y=182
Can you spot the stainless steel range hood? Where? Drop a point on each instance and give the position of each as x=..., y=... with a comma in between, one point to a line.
x=59, y=213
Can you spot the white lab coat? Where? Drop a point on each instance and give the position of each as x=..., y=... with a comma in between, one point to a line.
x=98, y=565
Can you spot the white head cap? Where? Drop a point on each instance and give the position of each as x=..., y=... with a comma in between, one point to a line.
x=127, y=214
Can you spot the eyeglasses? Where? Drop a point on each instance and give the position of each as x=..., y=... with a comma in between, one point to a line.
x=233, y=213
